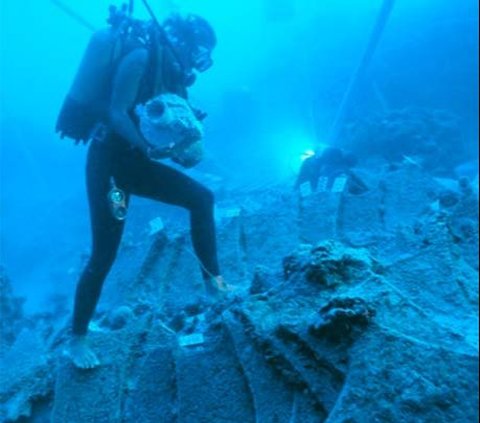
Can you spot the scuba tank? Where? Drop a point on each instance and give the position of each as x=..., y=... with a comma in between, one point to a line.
x=87, y=100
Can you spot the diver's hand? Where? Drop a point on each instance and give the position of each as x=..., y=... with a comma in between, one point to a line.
x=155, y=153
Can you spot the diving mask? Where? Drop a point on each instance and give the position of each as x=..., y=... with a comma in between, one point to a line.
x=201, y=59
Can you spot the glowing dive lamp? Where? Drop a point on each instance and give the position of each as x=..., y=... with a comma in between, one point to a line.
x=307, y=154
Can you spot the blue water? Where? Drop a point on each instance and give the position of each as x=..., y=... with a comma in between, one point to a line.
x=281, y=70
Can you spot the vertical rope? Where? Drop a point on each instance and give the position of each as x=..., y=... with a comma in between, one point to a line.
x=375, y=36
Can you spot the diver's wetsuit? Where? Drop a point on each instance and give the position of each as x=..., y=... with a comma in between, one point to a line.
x=136, y=174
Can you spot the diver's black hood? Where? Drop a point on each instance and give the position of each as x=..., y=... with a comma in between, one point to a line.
x=193, y=38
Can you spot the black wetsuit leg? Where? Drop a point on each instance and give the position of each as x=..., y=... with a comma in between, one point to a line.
x=135, y=174
x=140, y=176
x=106, y=235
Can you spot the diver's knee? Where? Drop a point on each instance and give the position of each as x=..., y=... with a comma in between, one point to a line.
x=208, y=197
x=204, y=199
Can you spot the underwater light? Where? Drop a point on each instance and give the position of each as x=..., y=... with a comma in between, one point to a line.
x=307, y=154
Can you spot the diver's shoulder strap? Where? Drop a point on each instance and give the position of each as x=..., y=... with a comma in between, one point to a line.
x=159, y=70
x=117, y=51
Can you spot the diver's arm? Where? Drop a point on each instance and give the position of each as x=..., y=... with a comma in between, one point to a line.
x=126, y=85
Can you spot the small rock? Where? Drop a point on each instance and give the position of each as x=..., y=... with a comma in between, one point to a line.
x=120, y=317
x=341, y=317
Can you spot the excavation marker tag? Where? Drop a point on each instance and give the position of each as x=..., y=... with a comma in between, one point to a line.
x=156, y=225
x=191, y=340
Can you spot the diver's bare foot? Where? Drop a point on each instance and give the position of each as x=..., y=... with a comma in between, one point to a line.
x=81, y=354
x=222, y=286
x=217, y=289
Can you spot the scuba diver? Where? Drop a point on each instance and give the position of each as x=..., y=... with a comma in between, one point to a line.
x=332, y=162
x=124, y=66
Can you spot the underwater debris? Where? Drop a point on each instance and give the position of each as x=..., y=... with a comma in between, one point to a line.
x=328, y=264
x=432, y=139
x=303, y=345
x=119, y=317
x=263, y=280
x=448, y=198
x=341, y=318
x=11, y=311
x=26, y=377
x=461, y=217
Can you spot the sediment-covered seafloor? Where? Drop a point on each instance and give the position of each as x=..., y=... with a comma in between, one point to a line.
x=353, y=307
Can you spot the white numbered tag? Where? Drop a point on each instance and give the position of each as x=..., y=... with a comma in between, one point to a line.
x=156, y=225
x=322, y=184
x=305, y=189
x=191, y=340
x=339, y=184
